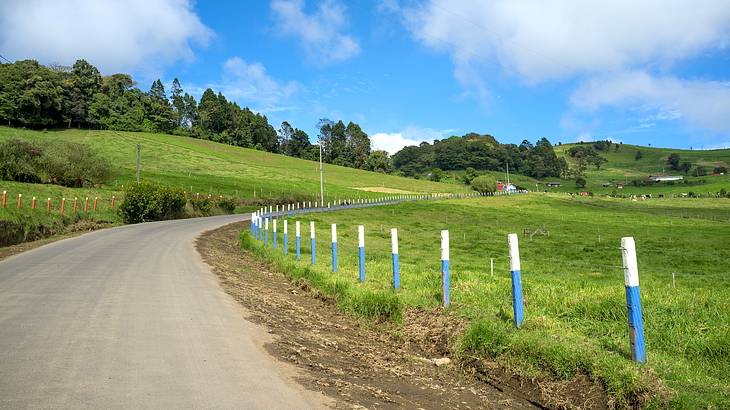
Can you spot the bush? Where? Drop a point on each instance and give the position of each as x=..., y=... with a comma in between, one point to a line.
x=580, y=182
x=227, y=205
x=482, y=184
x=58, y=162
x=148, y=201
x=202, y=204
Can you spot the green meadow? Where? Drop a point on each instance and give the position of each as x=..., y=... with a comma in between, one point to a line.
x=576, y=318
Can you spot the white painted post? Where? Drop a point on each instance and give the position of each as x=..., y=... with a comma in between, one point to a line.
x=633, y=299
x=334, y=248
x=361, y=246
x=396, y=264
x=514, y=259
x=445, y=269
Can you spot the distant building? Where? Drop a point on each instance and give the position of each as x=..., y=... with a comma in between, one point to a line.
x=665, y=178
x=502, y=187
x=553, y=184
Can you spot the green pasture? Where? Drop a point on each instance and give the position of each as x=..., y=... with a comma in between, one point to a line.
x=576, y=319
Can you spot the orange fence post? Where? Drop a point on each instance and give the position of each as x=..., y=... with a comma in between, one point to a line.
x=32, y=203
x=75, y=199
x=49, y=205
x=113, y=198
x=86, y=206
x=4, y=193
x=96, y=198
x=63, y=205
x=19, y=196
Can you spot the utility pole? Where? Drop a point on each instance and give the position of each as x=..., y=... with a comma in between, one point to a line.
x=139, y=147
x=321, y=176
x=507, y=178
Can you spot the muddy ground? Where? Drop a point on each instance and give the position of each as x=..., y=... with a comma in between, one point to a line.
x=366, y=365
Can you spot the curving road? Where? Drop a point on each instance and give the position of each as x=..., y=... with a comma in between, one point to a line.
x=130, y=317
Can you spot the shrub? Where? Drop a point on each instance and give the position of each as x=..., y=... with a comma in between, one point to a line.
x=73, y=165
x=482, y=184
x=58, y=162
x=580, y=182
x=19, y=161
x=228, y=205
x=202, y=204
x=148, y=201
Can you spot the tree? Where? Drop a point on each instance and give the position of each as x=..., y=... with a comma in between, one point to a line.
x=358, y=145
x=378, y=161
x=482, y=184
x=685, y=167
x=674, y=161
x=580, y=182
x=85, y=82
x=720, y=170
x=638, y=155
x=286, y=134
x=178, y=103
x=469, y=175
x=436, y=175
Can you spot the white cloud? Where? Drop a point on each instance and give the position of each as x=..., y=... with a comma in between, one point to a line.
x=703, y=104
x=321, y=33
x=608, y=46
x=548, y=40
x=250, y=82
x=395, y=141
x=131, y=35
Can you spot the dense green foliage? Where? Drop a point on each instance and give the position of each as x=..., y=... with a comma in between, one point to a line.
x=147, y=201
x=37, y=96
x=481, y=152
x=58, y=162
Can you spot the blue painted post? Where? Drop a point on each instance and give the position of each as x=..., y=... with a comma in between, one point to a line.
x=275, y=233
x=298, y=240
x=311, y=237
x=334, y=248
x=361, y=243
x=286, y=237
x=396, y=265
x=266, y=232
x=445, y=270
x=252, y=228
x=514, y=267
x=633, y=299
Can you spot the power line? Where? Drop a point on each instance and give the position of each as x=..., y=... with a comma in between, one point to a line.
x=1, y=56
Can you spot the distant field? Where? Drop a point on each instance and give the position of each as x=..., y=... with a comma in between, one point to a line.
x=573, y=284
x=623, y=167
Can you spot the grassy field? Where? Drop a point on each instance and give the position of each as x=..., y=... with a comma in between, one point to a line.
x=623, y=167
x=196, y=166
x=576, y=319
x=209, y=167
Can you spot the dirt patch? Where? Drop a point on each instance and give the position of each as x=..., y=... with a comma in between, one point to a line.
x=361, y=364
x=384, y=190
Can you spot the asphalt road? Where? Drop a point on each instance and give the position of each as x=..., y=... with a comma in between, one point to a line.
x=130, y=317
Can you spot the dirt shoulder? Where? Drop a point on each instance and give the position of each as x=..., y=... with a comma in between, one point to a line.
x=362, y=365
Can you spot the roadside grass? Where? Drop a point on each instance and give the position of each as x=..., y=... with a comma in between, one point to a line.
x=573, y=285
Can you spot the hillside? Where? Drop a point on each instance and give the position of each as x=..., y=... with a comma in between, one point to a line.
x=621, y=166
x=209, y=167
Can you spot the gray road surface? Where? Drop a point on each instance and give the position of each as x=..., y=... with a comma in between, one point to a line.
x=130, y=317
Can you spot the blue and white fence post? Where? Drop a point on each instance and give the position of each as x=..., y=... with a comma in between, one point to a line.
x=298, y=240
x=334, y=248
x=266, y=231
x=286, y=236
x=361, y=243
x=274, y=233
x=311, y=237
x=252, y=228
x=633, y=299
x=445, y=270
x=396, y=265
x=514, y=267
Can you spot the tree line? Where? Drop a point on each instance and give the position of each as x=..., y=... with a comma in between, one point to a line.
x=36, y=96
x=480, y=152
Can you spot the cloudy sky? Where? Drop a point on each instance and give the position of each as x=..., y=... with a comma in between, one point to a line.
x=646, y=72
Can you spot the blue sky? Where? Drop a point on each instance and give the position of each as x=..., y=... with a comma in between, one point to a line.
x=648, y=72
